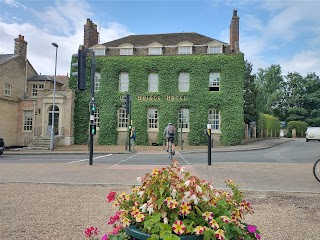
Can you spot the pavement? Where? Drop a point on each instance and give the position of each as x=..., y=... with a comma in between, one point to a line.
x=251, y=176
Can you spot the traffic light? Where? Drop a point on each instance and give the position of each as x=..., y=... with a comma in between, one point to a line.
x=81, y=66
x=93, y=129
x=126, y=100
x=93, y=108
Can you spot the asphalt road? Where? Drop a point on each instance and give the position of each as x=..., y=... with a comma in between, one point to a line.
x=297, y=151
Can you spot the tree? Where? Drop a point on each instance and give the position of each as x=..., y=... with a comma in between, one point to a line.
x=270, y=86
x=250, y=109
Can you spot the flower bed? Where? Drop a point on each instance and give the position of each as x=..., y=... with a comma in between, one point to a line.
x=169, y=203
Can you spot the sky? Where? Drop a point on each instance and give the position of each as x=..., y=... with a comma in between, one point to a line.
x=284, y=32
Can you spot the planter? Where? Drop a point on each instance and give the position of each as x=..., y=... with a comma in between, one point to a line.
x=133, y=231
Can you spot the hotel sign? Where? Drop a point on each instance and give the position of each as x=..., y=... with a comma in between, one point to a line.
x=158, y=98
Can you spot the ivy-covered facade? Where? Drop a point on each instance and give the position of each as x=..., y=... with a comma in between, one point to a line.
x=185, y=78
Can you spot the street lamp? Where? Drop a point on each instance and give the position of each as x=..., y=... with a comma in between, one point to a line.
x=54, y=99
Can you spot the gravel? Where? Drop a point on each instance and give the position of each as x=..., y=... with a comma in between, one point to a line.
x=53, y=211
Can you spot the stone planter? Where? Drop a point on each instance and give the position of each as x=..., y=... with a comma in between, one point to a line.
x=133, y=231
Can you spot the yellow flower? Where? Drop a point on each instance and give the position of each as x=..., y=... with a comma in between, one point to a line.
x=185, y=208
x=125, y=222
x=208, y=216
x=219, y=234
x=213, y=223
x=198, y=230
x=140, y=217
x=178, y=227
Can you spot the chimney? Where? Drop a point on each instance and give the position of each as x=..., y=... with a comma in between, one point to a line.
x=20, y=46
x=234, y=32
x=91, y=35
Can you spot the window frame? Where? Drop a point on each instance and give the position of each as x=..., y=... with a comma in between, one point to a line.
x=184, y=82
x=184, y=50
x=27, y=124
x=97, y=77
x=212, y=49
x=158, y=51
x=123, y=82
x=184, y=119
x=99, y=51
x=153, y=119
x=122, y=119
x=214, y=118
x=153, y=82
x=35, y=88
x=214, y=82
x=97, y=118
x=7, y=89
x=126, y=51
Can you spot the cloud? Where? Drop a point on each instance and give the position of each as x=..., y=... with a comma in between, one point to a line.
x=61, y=23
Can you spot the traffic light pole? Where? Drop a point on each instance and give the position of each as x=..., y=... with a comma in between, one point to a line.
x=93, y=70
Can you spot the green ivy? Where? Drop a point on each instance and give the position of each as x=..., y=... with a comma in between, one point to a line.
x=229, y=100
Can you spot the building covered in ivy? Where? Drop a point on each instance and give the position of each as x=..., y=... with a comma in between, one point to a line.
x=188, y=79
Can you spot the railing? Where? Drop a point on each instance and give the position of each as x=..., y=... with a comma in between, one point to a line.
x=36, y=132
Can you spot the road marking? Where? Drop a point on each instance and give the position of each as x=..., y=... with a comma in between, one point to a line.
x=126, y=159
x=185, y=160
x=82, y=160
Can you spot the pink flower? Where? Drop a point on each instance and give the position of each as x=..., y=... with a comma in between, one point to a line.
x=91, y=232
x=258, y=236
x=111, y=196
x=251, y=228
x=105, y=237
x=178, y=227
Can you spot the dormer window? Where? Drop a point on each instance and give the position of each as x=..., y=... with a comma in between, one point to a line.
x=155, y=48
x=155, y=51
x=126, y=49
x=214, y=47
x=99, y=50
x=185, y=47
x=214, y=50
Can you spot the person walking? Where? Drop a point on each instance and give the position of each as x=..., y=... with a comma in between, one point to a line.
x=132, y=138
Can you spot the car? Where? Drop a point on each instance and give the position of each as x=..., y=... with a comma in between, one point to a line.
x=1, y=146
x=313, y=133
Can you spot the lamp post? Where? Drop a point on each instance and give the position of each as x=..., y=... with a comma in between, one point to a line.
x=54, y=99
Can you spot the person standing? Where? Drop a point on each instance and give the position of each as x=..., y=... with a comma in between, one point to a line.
x=132, y=138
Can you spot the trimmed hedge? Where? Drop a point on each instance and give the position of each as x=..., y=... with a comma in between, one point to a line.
x=229, y=100
x=301, y=128
x=268, y=126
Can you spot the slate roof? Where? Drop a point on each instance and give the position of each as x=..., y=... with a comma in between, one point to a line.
x=44, y=78
x=164, y=39
x=6, y=58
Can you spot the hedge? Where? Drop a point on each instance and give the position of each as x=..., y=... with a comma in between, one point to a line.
x=268, y=126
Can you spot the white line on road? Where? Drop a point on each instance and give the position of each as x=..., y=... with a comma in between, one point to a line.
x=186, y=161
x=92, y=158
x=126, y=159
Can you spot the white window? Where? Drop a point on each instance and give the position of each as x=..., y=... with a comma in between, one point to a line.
x=126, y=51
x=183, y=118
x=124, y=82
x=185, y=50
x=184, y=82
x=97, y=118
x=100, y=51
x=153, y=82
x=155, y=50
x=214, y=81
x=27, y=120
x=152, y=118
x=7, y=89
x=97, y=77
x=215, y=50
x=122, y=118
x=35, y=88
x=214, y=119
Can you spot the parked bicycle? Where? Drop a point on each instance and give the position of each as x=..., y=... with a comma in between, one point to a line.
x=316, y=169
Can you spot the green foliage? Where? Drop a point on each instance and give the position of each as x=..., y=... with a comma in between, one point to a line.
x=268, y=126
x=301, y=128
x=250, y=95
x=229, y=100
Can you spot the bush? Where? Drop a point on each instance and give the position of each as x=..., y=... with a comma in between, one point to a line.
x=268, y=126
x=301, y=128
